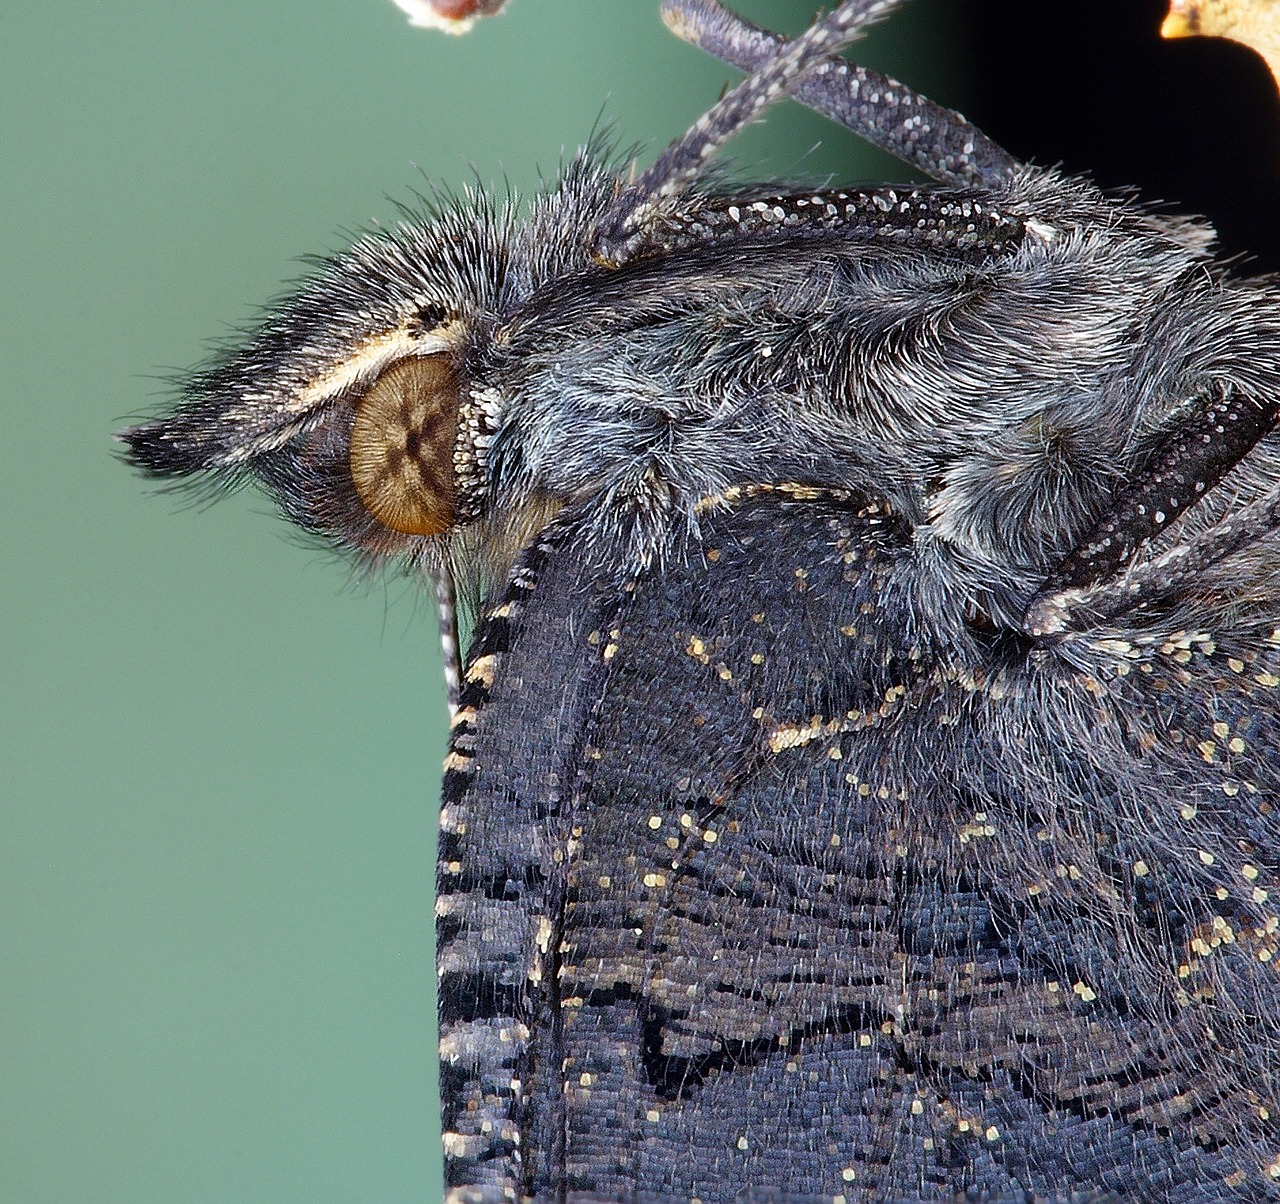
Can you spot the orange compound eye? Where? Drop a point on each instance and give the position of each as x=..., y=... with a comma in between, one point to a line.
x=402, y=445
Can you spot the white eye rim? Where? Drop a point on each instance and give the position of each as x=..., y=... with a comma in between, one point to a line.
x=479, y=414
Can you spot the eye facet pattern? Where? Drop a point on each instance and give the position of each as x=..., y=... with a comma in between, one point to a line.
x=402, y=443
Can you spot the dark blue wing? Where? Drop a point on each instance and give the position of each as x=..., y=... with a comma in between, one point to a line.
x=750, y=888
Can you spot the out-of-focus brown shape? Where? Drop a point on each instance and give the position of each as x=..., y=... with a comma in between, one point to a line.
x=452, y=16
x=1255, y=23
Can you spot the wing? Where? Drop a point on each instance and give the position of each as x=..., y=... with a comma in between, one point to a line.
x=750, y=888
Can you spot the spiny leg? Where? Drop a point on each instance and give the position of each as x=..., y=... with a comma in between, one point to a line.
x=1173, y=572
x=683, y=162
x=1091, y=582
x=938, y=141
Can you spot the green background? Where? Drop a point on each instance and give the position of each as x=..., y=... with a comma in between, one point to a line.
x=220, y=752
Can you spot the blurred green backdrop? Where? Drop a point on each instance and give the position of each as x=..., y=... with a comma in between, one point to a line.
x=220, y=754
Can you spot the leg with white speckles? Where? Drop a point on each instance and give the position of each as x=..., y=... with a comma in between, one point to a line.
x=685, y=159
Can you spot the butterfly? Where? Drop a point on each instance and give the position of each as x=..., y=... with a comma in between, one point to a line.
x=863, y=768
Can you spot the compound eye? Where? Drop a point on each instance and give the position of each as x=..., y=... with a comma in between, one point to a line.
x=402, y=446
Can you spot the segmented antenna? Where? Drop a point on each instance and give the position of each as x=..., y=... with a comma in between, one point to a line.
x=685, y=159
x=929, y=137
x=447, y=612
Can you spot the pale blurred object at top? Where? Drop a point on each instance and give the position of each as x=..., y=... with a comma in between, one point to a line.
x=452, y=16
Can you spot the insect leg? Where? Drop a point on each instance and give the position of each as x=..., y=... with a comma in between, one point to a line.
x=685, y=159
x=1172, y=572
x=1190, y=462
x=936, y=140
